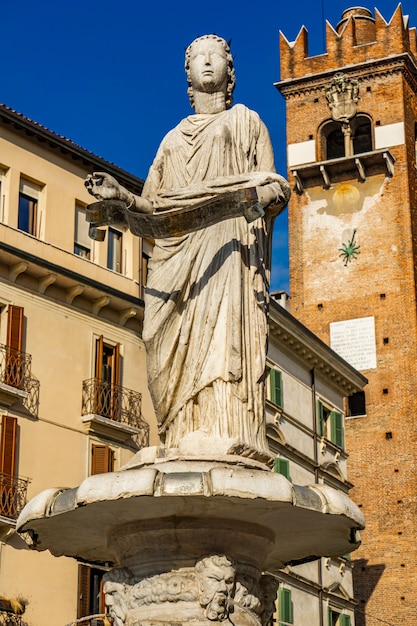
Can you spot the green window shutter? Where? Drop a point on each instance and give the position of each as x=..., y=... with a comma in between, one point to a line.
x=344, y=620
x=320, y=419
x=282, y=466
x=329, y=616
x=285, y=612
x=275, y=386
x=336, y=428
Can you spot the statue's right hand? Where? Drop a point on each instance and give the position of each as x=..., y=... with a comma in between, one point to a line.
x=103, y=186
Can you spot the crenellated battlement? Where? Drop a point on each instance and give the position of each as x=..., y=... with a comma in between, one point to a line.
x=358, y=38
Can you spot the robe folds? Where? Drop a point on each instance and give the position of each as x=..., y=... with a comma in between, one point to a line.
x=205, y=327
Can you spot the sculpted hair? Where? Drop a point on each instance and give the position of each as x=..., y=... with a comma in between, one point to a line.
x=231, y=78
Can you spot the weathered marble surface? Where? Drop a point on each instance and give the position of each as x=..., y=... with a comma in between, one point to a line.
x=209, y=493
x=205, y=327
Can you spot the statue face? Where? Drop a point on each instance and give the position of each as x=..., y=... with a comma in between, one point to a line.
x=217, y=583
x=208, y=66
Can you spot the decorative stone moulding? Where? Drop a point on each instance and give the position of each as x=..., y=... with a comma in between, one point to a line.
x=192, y=538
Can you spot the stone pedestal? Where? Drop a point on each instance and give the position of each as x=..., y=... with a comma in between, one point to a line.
x=192, y=540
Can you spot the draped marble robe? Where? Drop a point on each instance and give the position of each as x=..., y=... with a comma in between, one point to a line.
x=205, y=326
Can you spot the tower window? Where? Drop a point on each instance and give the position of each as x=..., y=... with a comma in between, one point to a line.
x=339, y=141
x=356, y=404
x=361, y=134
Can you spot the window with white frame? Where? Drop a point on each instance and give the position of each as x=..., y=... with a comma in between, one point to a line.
x=114, y=250
x=28, y=214
x=335, y=618
x=82, y=241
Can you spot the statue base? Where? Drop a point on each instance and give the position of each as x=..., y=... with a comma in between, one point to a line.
x=190, y=539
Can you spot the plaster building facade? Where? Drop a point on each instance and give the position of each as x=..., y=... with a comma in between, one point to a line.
x=306, y=390
x=352, y=134
x=73, y=392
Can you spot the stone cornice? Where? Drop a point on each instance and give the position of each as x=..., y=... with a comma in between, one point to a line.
x=363, y=71
x=70, y=288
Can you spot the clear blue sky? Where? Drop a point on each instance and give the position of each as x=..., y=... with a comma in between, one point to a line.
x=109, y=75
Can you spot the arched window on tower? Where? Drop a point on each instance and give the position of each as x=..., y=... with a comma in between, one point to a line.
x=333, y=142
x=361, y=134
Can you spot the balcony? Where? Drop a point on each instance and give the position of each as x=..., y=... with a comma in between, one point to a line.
x=13, y=492
x=115, y=411
x=15, y=375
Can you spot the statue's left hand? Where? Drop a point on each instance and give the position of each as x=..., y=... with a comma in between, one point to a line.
x=267, y=194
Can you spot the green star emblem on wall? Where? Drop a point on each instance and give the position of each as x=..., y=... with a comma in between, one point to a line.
x=350, y=250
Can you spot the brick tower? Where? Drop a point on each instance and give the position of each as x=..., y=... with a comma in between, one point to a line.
x=352, y=142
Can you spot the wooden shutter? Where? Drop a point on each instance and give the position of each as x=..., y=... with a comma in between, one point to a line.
x=98, y=369
x=275, y=387
x=344, y=620
x=285, y=606
x=282, y=466
x=15, y=327
x=116, y=365
x=8, y=445
x=13, y=374
x=84, y=591
x=320, y=419
x=336, y=428
x=102, y=459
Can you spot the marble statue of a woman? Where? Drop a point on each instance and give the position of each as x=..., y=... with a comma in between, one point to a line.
x=205, y=327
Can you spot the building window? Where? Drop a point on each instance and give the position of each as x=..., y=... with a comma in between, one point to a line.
x=8, y=448
x=356, y=404
x=15, y=359
x=90, y=592
x=1, y=196
x=282, y=466
x=107, y=374
x=102, y=459
x=335, y=143
x=145, y=255
x=107, y=361
x=285, y=606
x=361, y=134
x=335, y=618
x=114, y=250
x=274, y=387
x=82, y=241
x=28, y=207
x=143, y=273
x=330, y=424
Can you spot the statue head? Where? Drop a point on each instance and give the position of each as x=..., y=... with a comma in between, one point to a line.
x=219, y=43
x=216, y=581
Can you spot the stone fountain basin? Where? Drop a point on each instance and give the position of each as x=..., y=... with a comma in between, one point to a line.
x=302, y=522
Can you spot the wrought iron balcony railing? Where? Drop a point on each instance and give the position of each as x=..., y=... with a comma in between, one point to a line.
x=114, y=402
x=15, y=368
x=13, y=491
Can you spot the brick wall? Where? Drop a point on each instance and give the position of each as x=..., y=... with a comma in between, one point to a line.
x=380, y=282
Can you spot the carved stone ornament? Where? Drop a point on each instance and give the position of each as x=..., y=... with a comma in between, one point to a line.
x=212, y=591
x=342, y=96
